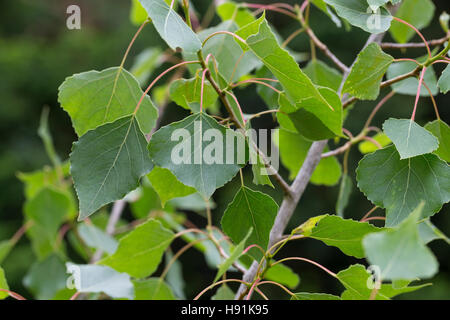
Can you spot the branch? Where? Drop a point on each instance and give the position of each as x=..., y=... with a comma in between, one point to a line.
x=431, y=43
x=298, y=187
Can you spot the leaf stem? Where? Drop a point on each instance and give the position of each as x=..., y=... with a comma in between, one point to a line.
x=418, y=32
x=216, y=284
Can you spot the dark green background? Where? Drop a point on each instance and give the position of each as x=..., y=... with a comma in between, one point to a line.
x=37, y=52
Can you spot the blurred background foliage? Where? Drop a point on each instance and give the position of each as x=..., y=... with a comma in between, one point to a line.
x=37, y=52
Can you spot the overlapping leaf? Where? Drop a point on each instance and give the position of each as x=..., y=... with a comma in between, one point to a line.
x=204, y=165
x=140, y=252
x=409, y=138
x=94, y=98
x=400, y=185
x=441, y=130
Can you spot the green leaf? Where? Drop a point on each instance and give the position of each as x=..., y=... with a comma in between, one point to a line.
x=107, y=163
x=146, y=62
x=96, y=238
x=428, y=232
x=345, y=234
x=314, y=296
x=223, y=293
x=171, y=27
x=191, y=160
x=3, y=284
x=310, y=118
x=441, y=130
x=379, y=3
x=282, y=274
x=324, y=8
x=323, y=75
x=259, y=170
x=366, y=74
x=140, y=252
x=359, y=14
x=252, y=209
x=137, y=13
x=232, y=11
x=46, y=278
x=444, y=80
x=152, y=289
x=187, y=93
x=345, y=190
x=5, y=248
x=409, y=86
x=419, y=13
x=263, y=43
x=236, y=252
x=94, y=98
x=174, y=277
x=327, y=172
x=94, y=278
x=148, y=200
x=399, y=253
x=369, y=147
x=409, y=138
x=167, y=186
x=400, y=185
x=226, y=52
x=357, y=280
x=47, y=211
x=47, y=177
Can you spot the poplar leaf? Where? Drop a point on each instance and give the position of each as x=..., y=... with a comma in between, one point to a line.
x=359, y=14
x=107, y=163
x=409, y=138
x=400, y=253
x=195, y=162
x=441, y=130
x=94, y=98
x=140, y=252
x=366, y=74
x=252, y=209
x=152, y=289
x=400, y=185
x=171, y=27
x=444, y=80
x=3, y=284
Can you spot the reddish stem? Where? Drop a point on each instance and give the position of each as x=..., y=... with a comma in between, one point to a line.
x=418, y=32
x=369, y=213
x=270, y=8
x=309, y=261
x=258, y=82
x=159, y=77
x=250, y=292
x=75, y=296
x=238, y=105
x=418, y=93
x=13, y=294
x=373, y=218
x=377, y=107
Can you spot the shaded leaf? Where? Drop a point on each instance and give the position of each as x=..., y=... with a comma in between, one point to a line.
x=107, y=163
x=232, y=11
x=46, y=278
x=399, y=253
x=314, y=296
x=400, y=185
x=345, y=189
x=441, y=130
x=323, y=75
x=327, y=172
x=140, y=252
x=187, y=93
x=358, y=283
x=94, y=278
x=223, y=293
x=419, y=13
x=369, y=147
x=3, y=284
x=444, y=80
x=282, y=274
x=96, y=238
x=409, y=86
x=152, y=289
x=252, y=209
x=167, y=186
